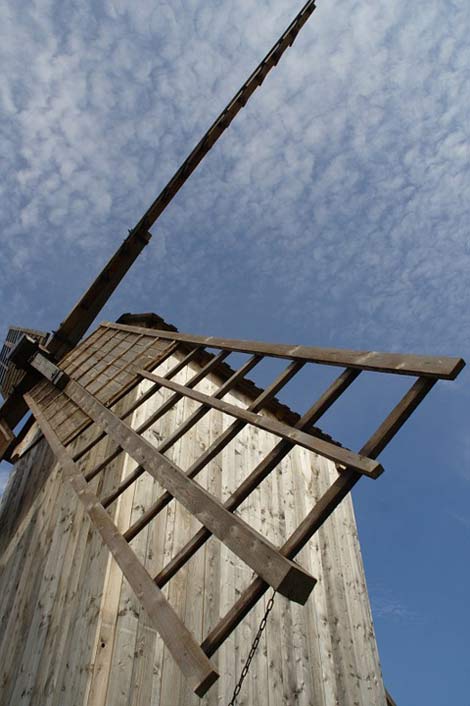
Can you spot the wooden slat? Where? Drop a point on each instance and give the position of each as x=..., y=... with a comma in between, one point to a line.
x=197, y=415
x=397, y=363
x=71, y=358
x=98, y=382
x=322, y=510
x=160, y=412
x=76, y=357
x=94, y=354
x=262, y=470
x=217, y=446
x=129, y=387
x=194, y=664
x=114, y=399
x=320, y=446
x=136, y=404
x=110, y=360
x=284, y=575
x=203, y=409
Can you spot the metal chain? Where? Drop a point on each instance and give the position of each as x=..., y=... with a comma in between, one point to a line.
x=251, y=654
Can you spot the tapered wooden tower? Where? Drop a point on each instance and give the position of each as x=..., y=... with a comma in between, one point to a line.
x=159, y=499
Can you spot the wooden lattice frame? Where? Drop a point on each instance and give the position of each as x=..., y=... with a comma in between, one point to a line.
x=97, y=377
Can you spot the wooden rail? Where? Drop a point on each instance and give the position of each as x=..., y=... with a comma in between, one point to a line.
x=262, y=470
x=396, y=363
x=215, y=448
x=163, y=409
x=323, y=448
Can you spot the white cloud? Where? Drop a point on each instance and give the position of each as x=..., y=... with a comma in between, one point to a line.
x=339, y=196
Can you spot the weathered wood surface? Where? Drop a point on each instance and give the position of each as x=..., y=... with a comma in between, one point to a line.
x=320, y=446
x=99, y=646
x=284, y=575
x=191, y=660
x=398, y=363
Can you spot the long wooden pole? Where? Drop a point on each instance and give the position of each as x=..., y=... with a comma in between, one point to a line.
x=90, y=304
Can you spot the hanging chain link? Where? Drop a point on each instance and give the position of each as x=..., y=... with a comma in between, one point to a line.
x=251, y=654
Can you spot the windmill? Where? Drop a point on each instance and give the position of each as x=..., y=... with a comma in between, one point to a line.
x=109, y=403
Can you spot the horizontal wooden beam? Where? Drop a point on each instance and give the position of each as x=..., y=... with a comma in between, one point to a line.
x=396, y=363
x=192, y=661
x=312, y=443
x=284, y=575
x=50, y=371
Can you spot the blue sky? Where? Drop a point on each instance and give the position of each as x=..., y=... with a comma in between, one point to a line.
x=333, y=212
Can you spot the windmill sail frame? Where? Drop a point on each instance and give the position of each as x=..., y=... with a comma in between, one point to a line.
x=116, y=359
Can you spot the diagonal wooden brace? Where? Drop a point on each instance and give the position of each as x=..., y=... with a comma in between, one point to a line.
x=282, y=574
x=189, y=656
x=362, y=464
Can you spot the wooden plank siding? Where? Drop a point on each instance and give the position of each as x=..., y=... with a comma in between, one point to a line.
x=80, y=636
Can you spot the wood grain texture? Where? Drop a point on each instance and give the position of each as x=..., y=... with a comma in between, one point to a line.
x=185, y=650
x=320, y=446
x=396, y=363
x=284, y=575
x=111, y=654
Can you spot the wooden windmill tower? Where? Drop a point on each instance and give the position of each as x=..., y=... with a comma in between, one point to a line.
x=158, y=496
